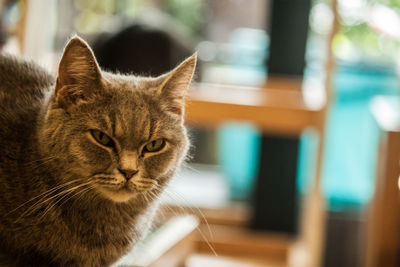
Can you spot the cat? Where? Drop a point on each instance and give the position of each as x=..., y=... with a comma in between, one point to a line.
x=84, y=156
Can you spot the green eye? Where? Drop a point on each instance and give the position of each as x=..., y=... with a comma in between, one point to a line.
x=154, y=146
x=102, y=138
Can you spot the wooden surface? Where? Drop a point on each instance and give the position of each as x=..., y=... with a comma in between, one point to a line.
x=224, y=232
x=242, y=242
x=279, y=106
x=284, y=107
x=237, y=214
x=384, y=218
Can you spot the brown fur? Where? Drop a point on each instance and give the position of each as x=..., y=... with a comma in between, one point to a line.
x=62, y=198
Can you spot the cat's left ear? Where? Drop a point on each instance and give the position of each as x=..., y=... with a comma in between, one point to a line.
x=174, y=88
x=78, y=74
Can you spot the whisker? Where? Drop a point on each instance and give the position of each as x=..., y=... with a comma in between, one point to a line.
x=171, y=194
x=43, y=162
x=44, y=193
x=39, y=203
x=203, y=236
x=104, y=177
x=66, y=195
x=170, y=210
x=190, y=167
x=78, y=193
x=106, y=183
x=41, y=159
x=174, y=212
x=90, y=187
x=207, y=242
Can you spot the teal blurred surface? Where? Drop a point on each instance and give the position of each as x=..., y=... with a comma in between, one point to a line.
x=352, y=135
x=238, y=154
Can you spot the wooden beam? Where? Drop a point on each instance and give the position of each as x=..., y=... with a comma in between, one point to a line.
x=384, y=214
x=283, y=111
x=239, y=241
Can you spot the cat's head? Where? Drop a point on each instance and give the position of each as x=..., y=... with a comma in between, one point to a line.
x=122, y=135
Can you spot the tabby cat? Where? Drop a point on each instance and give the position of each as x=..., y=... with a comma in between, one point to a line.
x=83, y=157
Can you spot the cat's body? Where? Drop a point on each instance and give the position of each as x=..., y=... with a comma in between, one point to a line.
x=68, y=197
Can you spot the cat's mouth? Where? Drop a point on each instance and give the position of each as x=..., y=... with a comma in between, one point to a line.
x=125, y=187
x=117, y=190
x=119, y=194
x=125, y=191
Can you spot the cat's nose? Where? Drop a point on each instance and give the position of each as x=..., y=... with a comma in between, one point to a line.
x=128, y=173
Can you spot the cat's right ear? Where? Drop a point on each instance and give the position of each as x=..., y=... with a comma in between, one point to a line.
x=78, y=74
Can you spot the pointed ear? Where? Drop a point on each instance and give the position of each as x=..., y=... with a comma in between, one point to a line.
x=78, y=74
x=175, y=86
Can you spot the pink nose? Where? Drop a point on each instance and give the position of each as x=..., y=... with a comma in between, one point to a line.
x=128, y=173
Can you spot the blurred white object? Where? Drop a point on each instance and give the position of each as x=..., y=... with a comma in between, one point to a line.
x=39, y=31
x=385, y=20
x=241, y=61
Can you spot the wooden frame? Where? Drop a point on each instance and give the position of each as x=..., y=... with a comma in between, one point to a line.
x=382, y=246
x=279, y=107
x=283, y=111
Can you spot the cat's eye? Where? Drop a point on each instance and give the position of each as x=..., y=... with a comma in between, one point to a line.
x=154, y=146
x=102, y=138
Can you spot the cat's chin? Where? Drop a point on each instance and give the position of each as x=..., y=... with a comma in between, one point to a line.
x=119, y=196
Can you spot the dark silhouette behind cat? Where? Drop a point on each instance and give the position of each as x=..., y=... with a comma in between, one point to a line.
x=140, y=49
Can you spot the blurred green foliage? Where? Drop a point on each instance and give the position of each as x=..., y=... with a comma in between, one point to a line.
x=190, y=13
x=360, y=42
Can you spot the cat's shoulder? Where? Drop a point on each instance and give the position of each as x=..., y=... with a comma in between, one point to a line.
x=17, y=73
x=23, y=86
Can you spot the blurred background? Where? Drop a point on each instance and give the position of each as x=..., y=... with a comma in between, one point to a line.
x=294, y=116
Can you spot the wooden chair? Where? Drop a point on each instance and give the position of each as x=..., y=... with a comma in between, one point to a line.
x=284, y=106
x=280, y=111
x=382, y=242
